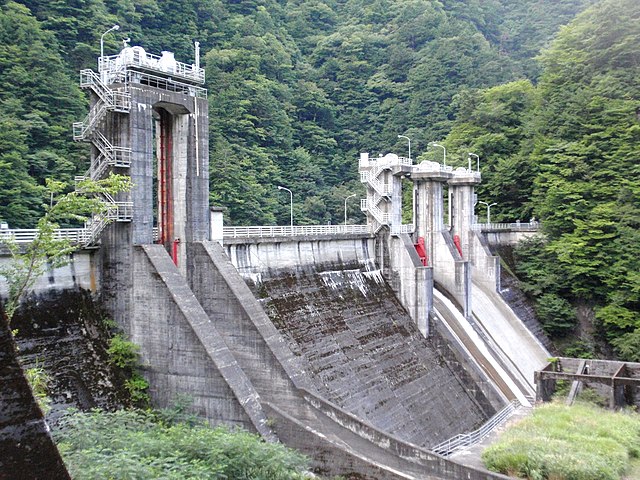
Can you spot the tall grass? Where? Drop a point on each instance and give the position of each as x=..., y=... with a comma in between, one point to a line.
x=557, y=442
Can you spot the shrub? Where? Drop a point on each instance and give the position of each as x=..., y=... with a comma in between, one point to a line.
x=134, y=444
x=123, y=353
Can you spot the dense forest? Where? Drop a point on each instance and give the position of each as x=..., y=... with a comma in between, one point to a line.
x=545, y=91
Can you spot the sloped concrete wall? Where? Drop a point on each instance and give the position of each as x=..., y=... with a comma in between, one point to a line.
x=272, y=368
x=365, y=354
x=181, y=349
x=337, y=441
x=27, y=450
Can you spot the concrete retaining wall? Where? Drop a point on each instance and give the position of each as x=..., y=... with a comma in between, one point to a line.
x=254, y=256
x=412, y=281
x=504, y=237
x=82, y=272
x=486, y=267
x=451, y=272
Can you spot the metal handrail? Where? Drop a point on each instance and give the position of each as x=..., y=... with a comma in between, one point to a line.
x=371, y=162
x=116, y=100
x=398, y=229
x=375, y=183
x=28, y=235
x=296, y=230
x=80, y=129
x=379, y=215
x=463, y=440
x=115, y=63
x=532, y=226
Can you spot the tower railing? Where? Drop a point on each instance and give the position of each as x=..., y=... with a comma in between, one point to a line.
x=82, y=129
x=371, y=179
x=116, y=100
x=381, y=217
x=114, y=64
x=532, y=226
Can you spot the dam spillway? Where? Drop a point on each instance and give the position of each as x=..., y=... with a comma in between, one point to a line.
x=362, y=352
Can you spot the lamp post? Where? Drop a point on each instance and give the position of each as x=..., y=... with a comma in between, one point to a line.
x=101, y=63
x=444, y=157
x=477, y=160
x=489, y=205
x=404, y=136
x=291, y=195
x=345, y=207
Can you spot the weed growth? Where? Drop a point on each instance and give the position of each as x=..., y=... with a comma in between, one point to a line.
x=134, y=444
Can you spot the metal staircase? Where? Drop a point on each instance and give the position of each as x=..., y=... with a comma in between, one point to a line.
x=381, y=193
x=109, y=155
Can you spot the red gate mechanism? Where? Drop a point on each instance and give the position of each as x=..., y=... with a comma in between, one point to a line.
x=422, y=251
x=456, y=240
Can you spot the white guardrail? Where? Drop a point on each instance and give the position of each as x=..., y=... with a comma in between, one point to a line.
x=296, y=230
x=517, y=226
x=465, y=440
x=27, y=235
x=80, y=235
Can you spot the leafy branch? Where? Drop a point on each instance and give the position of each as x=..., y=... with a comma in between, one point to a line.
x=48, y=250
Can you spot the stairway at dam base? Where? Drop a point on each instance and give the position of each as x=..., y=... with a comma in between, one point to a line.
x=362, y=352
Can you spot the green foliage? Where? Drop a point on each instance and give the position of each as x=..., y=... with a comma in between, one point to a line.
x=557, y=442
x=138, y=389
x=556, y=314
x=124, y=354
x=39, y=101
x=134, y=444
x=297, y=87
x=579, y=349
x=39, y=381
x=566, y=151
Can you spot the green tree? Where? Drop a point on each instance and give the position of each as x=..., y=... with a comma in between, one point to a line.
x=47, y=250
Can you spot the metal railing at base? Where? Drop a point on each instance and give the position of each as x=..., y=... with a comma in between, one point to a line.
x=465, y=440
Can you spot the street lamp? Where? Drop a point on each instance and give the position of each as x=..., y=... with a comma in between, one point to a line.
x=444, y=157
x=489, y=205
x=115, y=27
x=291, y=195
x=345, y=207
x=404, y=136
x=477, y=160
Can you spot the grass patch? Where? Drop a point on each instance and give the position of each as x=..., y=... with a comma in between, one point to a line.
x=557, y=442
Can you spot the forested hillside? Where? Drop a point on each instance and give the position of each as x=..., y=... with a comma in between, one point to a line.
x=567, y=150
x=297, y=88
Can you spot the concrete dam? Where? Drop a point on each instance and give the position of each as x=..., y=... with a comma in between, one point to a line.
x=361, y=351
x=364, y=350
